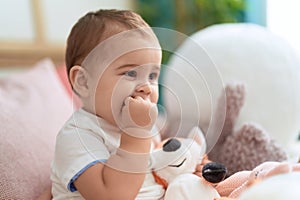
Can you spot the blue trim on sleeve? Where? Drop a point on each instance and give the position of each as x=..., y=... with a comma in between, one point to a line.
x=71, y=185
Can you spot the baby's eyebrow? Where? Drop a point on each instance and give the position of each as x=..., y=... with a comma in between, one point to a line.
x=154, y=66
x=127, y=66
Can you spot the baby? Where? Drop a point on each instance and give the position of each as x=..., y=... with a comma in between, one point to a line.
x=113, y=61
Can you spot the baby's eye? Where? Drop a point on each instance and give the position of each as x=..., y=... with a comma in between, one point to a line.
x=153, y=76
x=131, y=73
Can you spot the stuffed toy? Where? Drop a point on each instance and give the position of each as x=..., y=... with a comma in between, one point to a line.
x=247, y=147
x=243, y=52
x=174, y=166
x=175, y=160
x=212, y=58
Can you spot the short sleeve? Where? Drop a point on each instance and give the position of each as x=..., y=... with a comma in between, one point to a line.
x=76, y=150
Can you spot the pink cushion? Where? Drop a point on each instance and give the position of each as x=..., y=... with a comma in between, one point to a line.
x=33, y=107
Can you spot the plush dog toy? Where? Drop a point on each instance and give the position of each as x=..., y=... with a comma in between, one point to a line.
x=217, y=56
x=175, y=163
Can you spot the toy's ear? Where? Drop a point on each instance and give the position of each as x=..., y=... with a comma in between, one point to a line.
x=197, y=135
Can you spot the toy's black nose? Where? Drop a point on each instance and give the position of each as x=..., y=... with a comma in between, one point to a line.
x=171, y=145
x=214, y=172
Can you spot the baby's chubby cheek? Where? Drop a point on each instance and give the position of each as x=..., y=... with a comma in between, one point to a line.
x=154, y=98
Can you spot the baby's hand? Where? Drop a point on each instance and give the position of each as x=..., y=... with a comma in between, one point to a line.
x=138, y=116
x=142, y=112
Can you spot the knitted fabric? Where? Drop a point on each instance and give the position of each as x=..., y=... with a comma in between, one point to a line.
x=250, y=145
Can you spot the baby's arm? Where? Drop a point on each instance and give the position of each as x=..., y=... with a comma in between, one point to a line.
x=103, y=182
x=123, y=174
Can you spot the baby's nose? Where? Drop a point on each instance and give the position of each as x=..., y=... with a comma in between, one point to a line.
x=144, y=88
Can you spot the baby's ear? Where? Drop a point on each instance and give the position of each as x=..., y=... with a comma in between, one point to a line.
x=197, y=135
x=79, y=79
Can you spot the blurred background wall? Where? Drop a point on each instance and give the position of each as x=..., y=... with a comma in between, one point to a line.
x=32, y=29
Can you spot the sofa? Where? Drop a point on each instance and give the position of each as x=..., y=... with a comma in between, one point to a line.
x=34, y=102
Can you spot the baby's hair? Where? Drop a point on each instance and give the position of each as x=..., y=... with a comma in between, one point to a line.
x=95, y=27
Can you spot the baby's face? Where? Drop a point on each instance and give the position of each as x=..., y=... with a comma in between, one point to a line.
x=130, y=75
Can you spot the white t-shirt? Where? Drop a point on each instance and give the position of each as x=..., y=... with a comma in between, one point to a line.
x=83, y=141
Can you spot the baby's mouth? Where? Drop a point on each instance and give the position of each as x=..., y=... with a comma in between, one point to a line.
x=144, y=97
x=135, y=97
